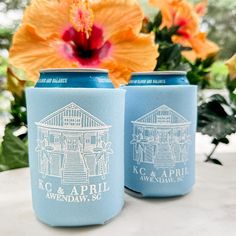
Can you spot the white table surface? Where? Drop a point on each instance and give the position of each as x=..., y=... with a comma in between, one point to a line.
x=209, y=210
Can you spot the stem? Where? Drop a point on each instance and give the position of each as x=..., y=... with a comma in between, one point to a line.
x=212, y=152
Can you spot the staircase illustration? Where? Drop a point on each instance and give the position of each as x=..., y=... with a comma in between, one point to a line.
x=74, y=170
x=164, y=157
x=164, y=163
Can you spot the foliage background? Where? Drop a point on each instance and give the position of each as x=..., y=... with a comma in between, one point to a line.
x=221, y=17
x=219, y=22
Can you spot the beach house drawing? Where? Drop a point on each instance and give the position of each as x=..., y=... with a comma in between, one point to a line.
x=161, y=138
x=73, y=145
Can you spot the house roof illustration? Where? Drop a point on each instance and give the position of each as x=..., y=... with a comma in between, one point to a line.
x=72, y=117
x=162, y=115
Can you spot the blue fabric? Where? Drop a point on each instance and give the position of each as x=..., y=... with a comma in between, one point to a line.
x=65, y=126
x=160, y=127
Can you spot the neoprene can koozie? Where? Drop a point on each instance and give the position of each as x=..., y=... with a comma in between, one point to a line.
x=160, y=126
x=76, y=145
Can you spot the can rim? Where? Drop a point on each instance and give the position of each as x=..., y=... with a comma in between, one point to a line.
x=80, y=70
x=160, y=73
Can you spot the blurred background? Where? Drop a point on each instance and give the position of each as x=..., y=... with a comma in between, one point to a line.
x=219, y=22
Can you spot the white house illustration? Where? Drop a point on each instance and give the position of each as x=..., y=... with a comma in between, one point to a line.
x=161, y=138
x=73, y=145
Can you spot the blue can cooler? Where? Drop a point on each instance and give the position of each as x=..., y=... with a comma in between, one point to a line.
x=160, y=127
x=76, y=145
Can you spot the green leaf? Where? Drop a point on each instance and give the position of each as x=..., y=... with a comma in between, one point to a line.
x=14, y=152
x=233, y=100
x=5, y=37
x=165, y=34
x=218, y=75
x=193, y=77
x=231, y=84
x=217, y=141
x=208, y=62
x=18, y=112
x=214, y=121
x=224, y=140
x=219, y=98
x=215, y=161
x=170, y=56
x=158, y=20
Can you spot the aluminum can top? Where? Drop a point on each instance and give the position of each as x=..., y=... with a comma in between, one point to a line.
x=74, y=78
x=155, y=78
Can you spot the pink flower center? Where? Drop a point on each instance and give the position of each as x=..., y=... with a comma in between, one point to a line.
x=87, y=51
x=181, y=22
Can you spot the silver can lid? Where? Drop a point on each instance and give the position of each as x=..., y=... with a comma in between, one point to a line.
x=79, y=70
x=160, y=73
x=156, y=78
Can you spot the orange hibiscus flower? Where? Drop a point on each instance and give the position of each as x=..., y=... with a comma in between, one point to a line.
x=79, y=33
x=178, y=13
x=201, y=47
x=201, y=7
x=186, y=17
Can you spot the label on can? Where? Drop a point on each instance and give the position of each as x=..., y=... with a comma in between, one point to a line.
x=158, y=78
x=74, y=78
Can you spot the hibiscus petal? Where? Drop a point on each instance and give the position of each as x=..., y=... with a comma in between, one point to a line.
x=116, y=15
x=48, y=16
x=118, y=73
x=190, y=55
x=202, y=47
x=175, y=12
x=164, y=7
x=138, y=52
x=32, y=52
x=201, y=7
x=130, y=53
x=231, y=64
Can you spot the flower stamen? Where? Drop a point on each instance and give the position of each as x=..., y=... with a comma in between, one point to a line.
x=81, y=16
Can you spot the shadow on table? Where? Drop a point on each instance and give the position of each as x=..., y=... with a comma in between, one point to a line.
x=72, y=230
x=139, y=196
